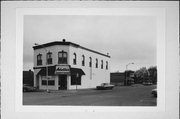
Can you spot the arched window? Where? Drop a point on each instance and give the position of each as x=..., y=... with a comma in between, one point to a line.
x=90, y=62
x=101, y=64
x=83, y=60
x=106, y=64
x=74, y=59
x=62, y=57
x=39, y=59
x=49, y=58
x=96, y=63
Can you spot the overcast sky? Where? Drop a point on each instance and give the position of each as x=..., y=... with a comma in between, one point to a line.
x=126, y=38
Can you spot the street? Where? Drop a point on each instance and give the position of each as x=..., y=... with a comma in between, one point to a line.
x=136, y=95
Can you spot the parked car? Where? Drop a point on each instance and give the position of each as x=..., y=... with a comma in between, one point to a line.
x=28, y=88
x=105, y=86
x=154, y=92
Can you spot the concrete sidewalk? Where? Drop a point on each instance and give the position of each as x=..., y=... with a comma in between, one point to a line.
x=67, y=93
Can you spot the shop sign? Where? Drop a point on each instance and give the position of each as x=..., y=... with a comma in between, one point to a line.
x=62, y=69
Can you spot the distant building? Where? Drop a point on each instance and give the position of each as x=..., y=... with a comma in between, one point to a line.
x=28, y=77
x=70, y=66
x=120, y=77
x=117, y=77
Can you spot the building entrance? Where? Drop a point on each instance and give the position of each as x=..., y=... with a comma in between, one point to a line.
x=62, y=82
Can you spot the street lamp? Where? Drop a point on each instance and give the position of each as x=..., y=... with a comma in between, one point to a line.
x=46, y=67
x=126, y=70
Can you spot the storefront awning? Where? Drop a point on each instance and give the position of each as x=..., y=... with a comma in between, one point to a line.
x=57, y=70
x=75, y=71
x=51, y=70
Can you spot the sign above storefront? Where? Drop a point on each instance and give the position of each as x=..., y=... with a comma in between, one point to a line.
x=62, y=69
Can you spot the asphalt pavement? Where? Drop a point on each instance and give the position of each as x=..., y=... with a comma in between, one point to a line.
x=136, y=95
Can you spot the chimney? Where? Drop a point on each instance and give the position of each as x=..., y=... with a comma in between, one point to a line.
x=64, y=40
x=107, y=54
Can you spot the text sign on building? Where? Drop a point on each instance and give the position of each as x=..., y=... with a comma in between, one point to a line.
x=62, y=69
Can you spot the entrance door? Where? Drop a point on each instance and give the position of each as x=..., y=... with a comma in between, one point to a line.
x=62, y=82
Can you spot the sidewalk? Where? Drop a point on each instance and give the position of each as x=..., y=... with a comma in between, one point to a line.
x=65, y=93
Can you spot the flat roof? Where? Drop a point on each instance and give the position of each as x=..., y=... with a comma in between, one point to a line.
x=67, y=43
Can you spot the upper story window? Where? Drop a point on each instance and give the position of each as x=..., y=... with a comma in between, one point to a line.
x=49, y=58
x=39, y=59
x=83, y=60
x=90, y=62
x=101, y=64
x=106, y=64
x=96, y=63
x=74, y=58
x=62, y=57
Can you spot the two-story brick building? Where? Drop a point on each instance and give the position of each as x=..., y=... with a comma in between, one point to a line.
x=62, y=65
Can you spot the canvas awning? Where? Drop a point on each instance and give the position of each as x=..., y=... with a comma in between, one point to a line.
x=54, y=70
x=75, y=71
x=51, y=70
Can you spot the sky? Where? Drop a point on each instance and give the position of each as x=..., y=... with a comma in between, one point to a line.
x=127, y=39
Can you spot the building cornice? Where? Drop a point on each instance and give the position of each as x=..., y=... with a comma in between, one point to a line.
x=67, y=44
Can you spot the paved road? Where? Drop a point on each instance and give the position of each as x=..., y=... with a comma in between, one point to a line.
x=137, y=95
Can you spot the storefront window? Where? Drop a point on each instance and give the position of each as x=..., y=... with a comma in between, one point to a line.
x=75, y=80
x=62, y=57
x=44, y=82
x=39, y=59
x=50, y=82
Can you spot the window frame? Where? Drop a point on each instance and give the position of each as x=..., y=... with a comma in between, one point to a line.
x=96, y=63
x=101, y=64
x=90, y=61
x=74, y=59
x=107, y=65
x=62, y=60
x=83, y=60
x=49, y=58
x=39, y=59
